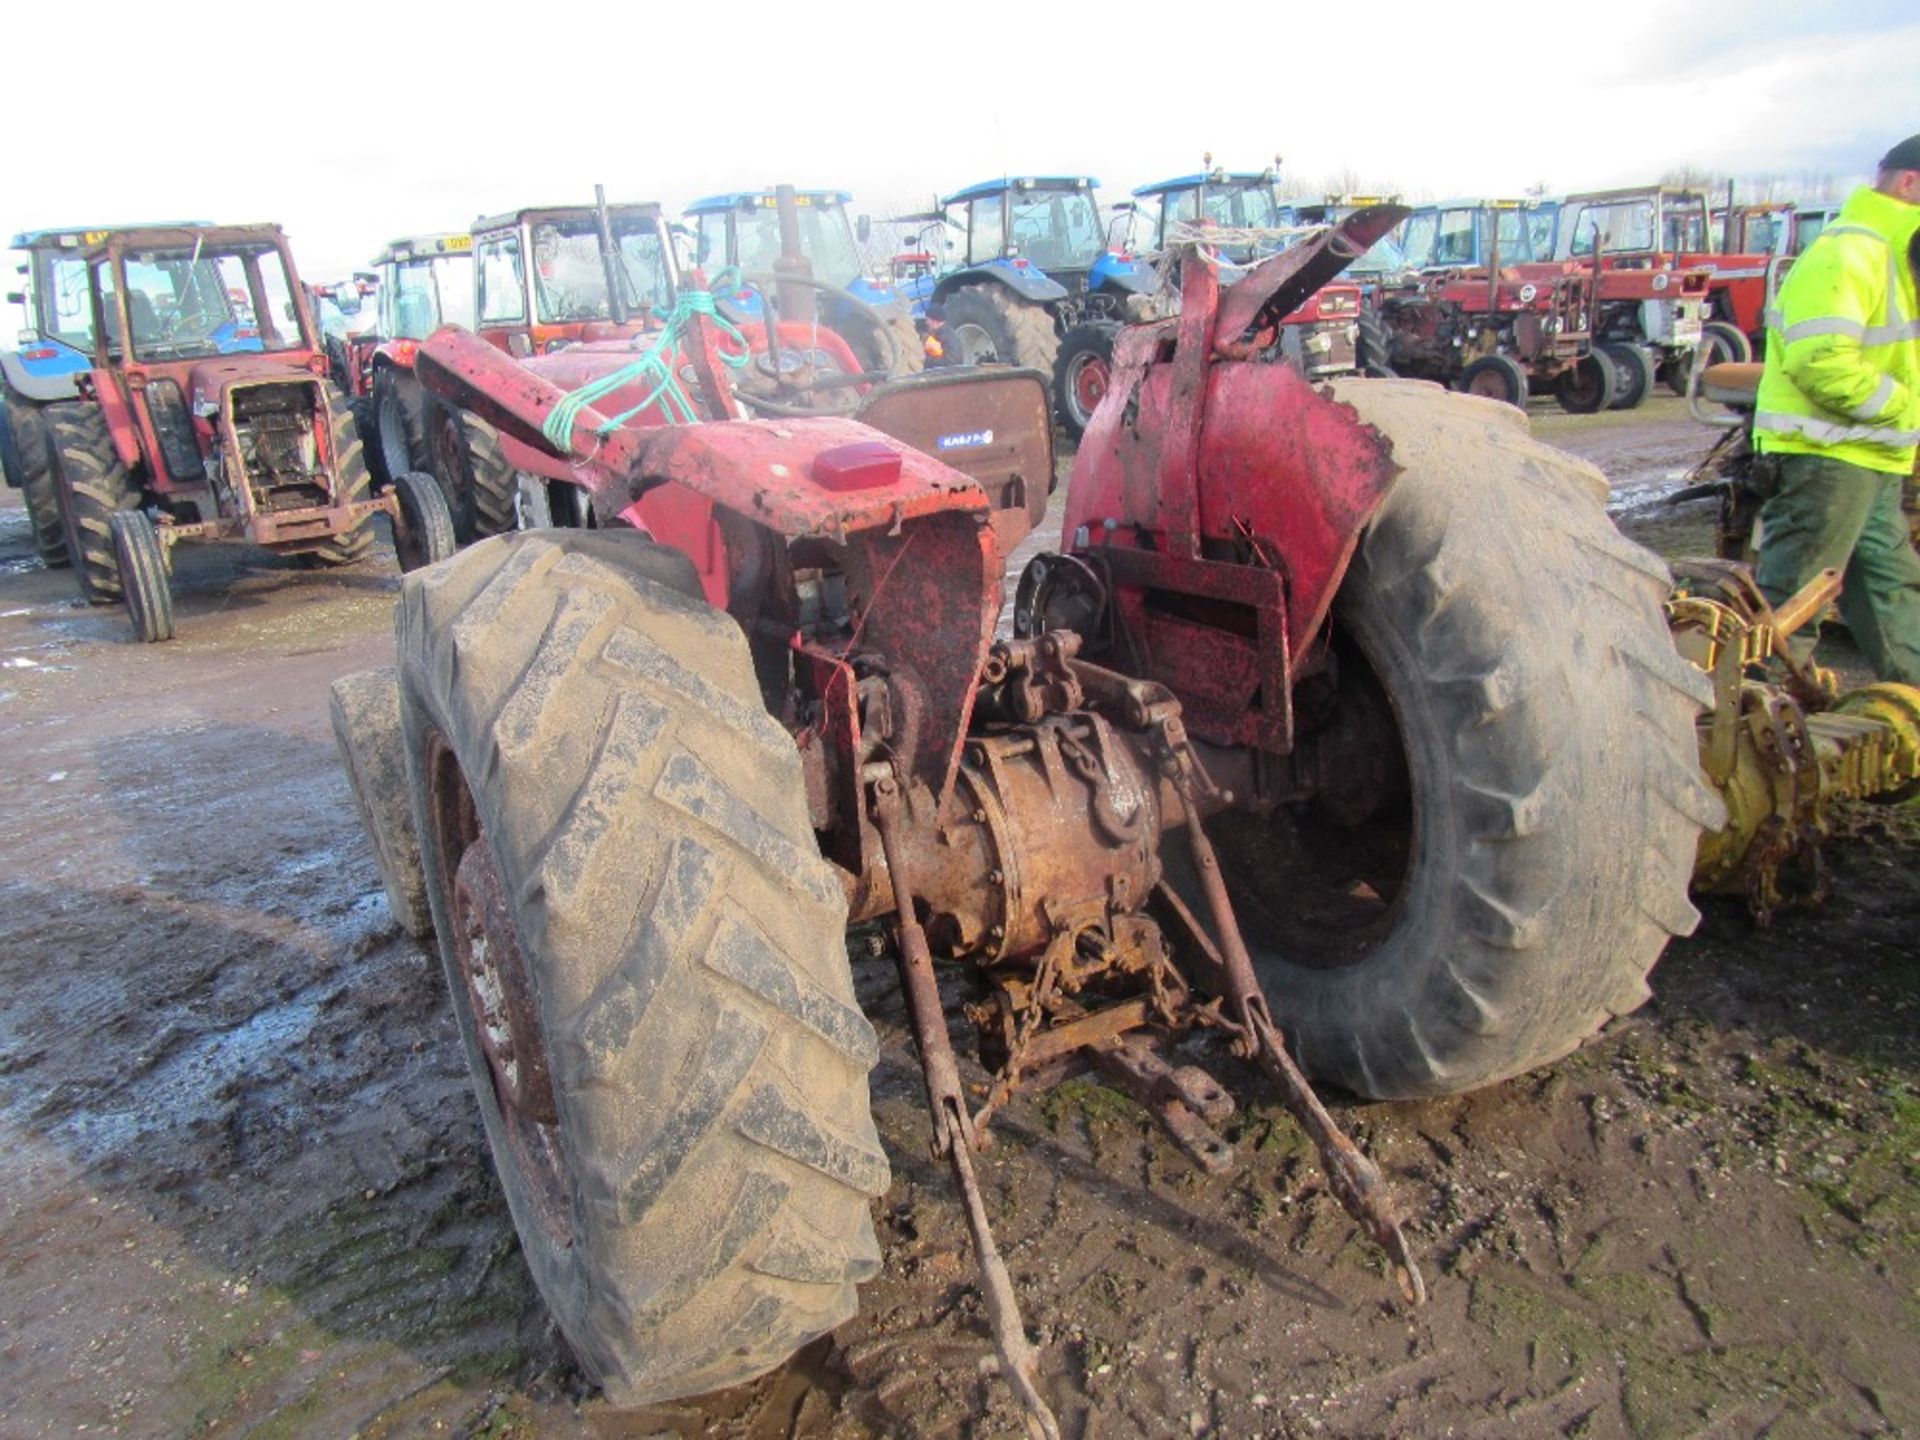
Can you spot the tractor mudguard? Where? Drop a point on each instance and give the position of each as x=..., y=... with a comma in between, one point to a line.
x=55, y=377
x=1112, y=272
x=1018, y=276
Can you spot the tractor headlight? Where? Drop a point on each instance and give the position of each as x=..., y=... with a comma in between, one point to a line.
x=1660, y=280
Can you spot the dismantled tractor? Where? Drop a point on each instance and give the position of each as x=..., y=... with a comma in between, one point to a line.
x=1289, y=741
x=207, y=414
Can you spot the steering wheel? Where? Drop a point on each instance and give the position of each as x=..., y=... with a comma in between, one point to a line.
x=804, y=379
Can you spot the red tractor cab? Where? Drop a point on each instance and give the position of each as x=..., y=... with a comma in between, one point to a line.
x=1667, y=227
x=208, y=414
x=1493, y=313
x=1652, y=318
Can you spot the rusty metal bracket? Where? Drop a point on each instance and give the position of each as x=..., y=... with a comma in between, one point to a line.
x=1354, y=1179
x=1186, y=1100
x=953, y=1135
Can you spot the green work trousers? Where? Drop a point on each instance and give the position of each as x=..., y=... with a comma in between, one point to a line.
x=1829, y=513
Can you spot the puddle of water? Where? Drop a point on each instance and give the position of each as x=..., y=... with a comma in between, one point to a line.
x=186, y=1086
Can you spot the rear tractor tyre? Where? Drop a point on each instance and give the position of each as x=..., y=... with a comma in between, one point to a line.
x=143, y=575
x=987, y=324
x=352, y=484
x=1632, y=374
x=1085, y=370
x=29, y=466
x=365, y=709
x=646, y=954
x=425, y=533
x=1542, y=838
x=473, y=472
x=1587, y=386
x=900, y=351
x=1495, y=377
x=94, y=486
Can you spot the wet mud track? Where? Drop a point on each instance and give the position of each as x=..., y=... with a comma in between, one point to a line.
x=243, y=1190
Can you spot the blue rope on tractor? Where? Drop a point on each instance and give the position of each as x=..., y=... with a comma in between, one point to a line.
x=658, y=364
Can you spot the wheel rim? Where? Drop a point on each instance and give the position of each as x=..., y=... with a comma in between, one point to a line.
x=395, y=451
x=1583, y=384
x=1492, y=384
x=976, y=345
x=1087, y=381
x=496, y=989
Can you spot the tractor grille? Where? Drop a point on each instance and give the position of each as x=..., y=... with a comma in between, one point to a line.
x=178, y=447
x=274, y=425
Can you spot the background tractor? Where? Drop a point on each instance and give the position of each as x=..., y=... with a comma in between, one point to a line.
x=206, y=413
x=1666, y=227
x=1651, y=318
x=55, y=350
x=1038, y=281
x=1289, y=744
x=1490, y=314
x=742, y=229
x=423, y=282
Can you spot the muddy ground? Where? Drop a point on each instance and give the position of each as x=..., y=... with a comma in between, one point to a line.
x=243, y=1189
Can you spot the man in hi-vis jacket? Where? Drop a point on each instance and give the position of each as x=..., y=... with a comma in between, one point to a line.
x=1838, y=418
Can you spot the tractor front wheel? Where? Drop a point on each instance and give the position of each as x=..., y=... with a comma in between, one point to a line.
x=473, y=472
x=424, y=535
x=1511, y=794
x=646, y=956
x=1587, y=386
x=365, y=710
x=399, y=442
x=94, y=486
x=1495, y=377
x=1724, y=344
x=1085, y=371
x=1632, y=374
x=143, y=575
x=352, y=484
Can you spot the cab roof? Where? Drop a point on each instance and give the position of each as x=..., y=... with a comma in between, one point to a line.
x=414, y=247
x=502, y=221
x=1022, y=182
x=76, y=237
x=756, y=199
x=1208, y=177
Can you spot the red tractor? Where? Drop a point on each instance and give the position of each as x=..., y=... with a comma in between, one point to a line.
x=1666, y=227
x=1492, y=314
x=1343, y=724
x=208, y=415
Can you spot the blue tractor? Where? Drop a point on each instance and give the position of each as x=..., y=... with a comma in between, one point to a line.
x=742, y=228
x=56, y=348
x=1038, y=286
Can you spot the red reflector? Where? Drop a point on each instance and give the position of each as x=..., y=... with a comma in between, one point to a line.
x=863, y=465
x=45, y=354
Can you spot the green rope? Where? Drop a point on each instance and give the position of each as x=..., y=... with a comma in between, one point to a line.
x=658, y=365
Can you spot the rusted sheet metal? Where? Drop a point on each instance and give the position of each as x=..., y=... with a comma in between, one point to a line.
x=1279, y=285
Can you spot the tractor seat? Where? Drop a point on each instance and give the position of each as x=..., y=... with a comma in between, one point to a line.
x=1729, y=383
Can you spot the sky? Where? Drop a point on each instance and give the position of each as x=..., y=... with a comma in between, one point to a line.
x=350, y=123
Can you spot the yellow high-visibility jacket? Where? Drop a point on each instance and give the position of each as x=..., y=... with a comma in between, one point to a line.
x=1842, y=377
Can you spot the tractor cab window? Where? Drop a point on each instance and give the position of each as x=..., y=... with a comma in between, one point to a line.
x=1416, y=240
x=710, y=251
x=1057, y=229
x=63, y=307
x=109, y=309
x=1454, y=241
x=1244, y=207
x=502, y=297
x=1516, y=231
x=199, y=301
x=826, y=239
x=418, y=296
x=570, y=279
x=986, y=231
x=1627, y=227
